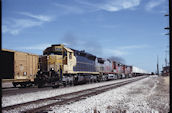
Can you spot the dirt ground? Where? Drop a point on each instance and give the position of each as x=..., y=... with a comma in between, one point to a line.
x=7, y=84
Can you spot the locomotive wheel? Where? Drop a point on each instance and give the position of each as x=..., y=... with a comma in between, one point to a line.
x=75, y=83
x=90, y=81
x=41, y=85
x=23, y=85
x=55, y=86
x=64, y=84
x=14, y=85
x=29, y=85
x=70, y=83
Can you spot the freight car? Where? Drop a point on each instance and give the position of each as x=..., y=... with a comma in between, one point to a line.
x=19, y=68
x=138, y=72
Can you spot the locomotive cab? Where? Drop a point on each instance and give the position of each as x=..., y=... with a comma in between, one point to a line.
x=58, y=59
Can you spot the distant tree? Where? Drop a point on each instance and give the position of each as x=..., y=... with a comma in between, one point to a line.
x=117, y=59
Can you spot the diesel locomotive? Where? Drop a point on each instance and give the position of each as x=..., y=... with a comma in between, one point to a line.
x=60, y=65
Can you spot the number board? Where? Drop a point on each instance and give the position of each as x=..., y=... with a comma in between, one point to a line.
x=58, y=49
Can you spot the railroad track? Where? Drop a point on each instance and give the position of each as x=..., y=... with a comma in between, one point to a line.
x=7, y=87
x=43, y=105
x=18, y=91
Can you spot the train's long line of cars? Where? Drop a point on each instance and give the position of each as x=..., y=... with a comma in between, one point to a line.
x=60, y=65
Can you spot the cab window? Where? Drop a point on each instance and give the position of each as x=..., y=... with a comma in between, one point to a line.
x=70, y=55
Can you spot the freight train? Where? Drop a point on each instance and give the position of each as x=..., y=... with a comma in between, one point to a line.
x=60, y=65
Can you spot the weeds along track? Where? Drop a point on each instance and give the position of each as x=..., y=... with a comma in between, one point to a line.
x=42, y=105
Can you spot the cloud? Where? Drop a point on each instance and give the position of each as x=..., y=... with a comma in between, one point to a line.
x=116, y=5
x=66, y=44
x=6, y=29
x=111, y=5
x=132, y=47
x=35, y=47
x=68, y=9
x=123, y=50
x=84, y=6
x=38, y=17
x=153, y=3
x=115, y=52
x=15, y=26
x=25, y=23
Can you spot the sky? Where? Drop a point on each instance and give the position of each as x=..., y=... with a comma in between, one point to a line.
x=130, y=29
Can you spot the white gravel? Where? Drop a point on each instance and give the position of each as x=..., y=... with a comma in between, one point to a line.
x=137, y=97
x=7, y=84
x=21, y=98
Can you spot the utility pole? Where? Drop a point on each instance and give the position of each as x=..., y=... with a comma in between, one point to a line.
x=157, y=66
x=166, y=60
x=170, y=35
x=170, y=41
